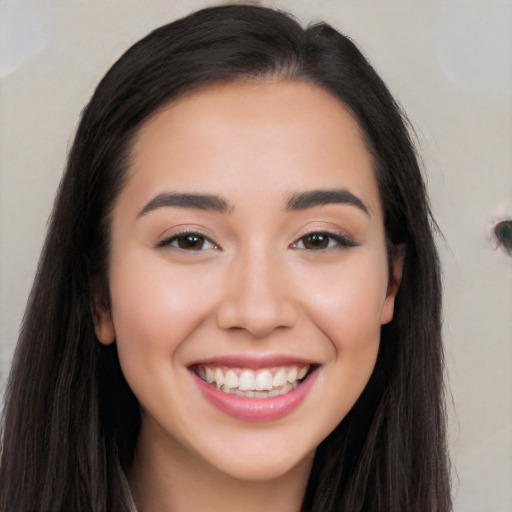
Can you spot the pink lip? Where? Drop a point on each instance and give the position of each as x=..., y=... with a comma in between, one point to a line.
x=255, y=409
x=253, y=361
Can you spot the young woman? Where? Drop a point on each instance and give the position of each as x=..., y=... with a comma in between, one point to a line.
x=238, y=302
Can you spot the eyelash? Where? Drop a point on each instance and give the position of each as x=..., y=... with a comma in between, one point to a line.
x=168, y=242
x=334, y=241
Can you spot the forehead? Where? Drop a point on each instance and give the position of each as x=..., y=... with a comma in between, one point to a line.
x=266, y=137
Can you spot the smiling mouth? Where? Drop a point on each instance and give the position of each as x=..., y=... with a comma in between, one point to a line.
x=250, y=383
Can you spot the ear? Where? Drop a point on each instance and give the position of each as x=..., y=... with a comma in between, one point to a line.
x=395, y=276
x=104, y=326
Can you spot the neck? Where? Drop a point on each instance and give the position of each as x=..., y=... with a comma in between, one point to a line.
x=176, y=481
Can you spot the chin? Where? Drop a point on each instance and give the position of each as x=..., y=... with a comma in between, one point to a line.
x=264, y=467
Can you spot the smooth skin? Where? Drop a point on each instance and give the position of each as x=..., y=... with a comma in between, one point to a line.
x=256, y=277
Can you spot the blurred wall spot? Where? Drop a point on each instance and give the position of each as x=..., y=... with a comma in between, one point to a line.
x=23, y=33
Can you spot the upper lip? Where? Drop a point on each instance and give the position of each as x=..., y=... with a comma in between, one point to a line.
x=254, y=361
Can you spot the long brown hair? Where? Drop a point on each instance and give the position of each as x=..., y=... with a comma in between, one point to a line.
x=71, y=421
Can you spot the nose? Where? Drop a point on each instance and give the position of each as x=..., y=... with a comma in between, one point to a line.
x=258, y=298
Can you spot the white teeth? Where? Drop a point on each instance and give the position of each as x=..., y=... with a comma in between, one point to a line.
x=264, y=381
x=279, y=379
x=253, y=383
x=246, y=381
x=260, y=394
x=302, y=372
x=219, y=377
x=231, y=380
x=292, y=375
x=209, y=375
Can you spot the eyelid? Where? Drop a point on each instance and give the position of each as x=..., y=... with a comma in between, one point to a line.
x=167, y=241
x=343, y=241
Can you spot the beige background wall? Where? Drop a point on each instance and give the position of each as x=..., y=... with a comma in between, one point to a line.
x=450, y=66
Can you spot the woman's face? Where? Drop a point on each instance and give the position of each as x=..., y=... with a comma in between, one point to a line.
x=248, y=275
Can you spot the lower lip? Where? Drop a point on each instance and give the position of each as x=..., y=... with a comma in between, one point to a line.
x=256, y=409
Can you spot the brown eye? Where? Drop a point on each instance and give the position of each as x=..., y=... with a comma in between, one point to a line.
x=188, y=242
x=317, y=241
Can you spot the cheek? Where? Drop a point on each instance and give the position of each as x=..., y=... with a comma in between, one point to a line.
x=348, y=307
x=348, y=312
x=154, y=307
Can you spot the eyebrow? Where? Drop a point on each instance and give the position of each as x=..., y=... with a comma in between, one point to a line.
x=298, y=201
x=309, y=199
x=193, y=201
